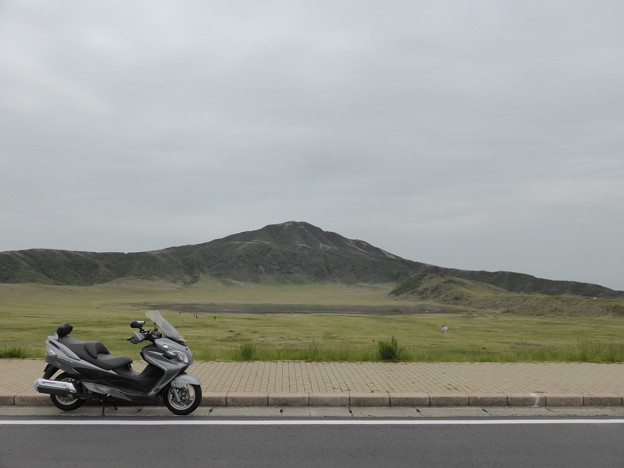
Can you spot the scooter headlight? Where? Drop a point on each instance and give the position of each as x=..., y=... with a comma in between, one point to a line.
x=182, y=357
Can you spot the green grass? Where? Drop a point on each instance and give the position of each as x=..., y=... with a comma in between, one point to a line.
x=29, y=313
x=596, y=352
x=19, y=351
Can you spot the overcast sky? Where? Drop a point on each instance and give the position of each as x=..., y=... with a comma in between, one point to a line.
x=483, y=135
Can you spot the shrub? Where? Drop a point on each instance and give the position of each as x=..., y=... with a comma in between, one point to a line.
x=247, y=352
x=389, y=351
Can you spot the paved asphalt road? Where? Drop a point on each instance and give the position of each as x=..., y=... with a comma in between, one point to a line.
x=242, y=442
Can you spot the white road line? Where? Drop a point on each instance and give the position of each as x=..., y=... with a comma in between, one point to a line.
x=299, y=422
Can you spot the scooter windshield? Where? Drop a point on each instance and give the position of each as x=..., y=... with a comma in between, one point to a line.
x=165, y=327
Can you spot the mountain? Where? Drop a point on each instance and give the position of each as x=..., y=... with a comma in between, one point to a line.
x=294, y=252
x=290, y=252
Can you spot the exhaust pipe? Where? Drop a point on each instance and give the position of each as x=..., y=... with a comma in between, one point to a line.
x=55, y=387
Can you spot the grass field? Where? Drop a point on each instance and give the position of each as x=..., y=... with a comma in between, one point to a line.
x=28, y=313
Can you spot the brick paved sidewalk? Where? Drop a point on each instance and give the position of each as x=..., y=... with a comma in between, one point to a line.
x=374, y=384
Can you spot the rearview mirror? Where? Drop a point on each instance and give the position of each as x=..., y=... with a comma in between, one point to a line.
x=137, y=324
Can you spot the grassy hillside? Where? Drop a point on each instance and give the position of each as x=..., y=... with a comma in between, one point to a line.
x=478, y=296
x=63, y=267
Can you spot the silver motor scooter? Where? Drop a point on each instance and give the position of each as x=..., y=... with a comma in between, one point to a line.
x=89, y=372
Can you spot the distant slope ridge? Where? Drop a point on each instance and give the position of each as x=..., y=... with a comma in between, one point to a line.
x=280, y=253
x=477, y=295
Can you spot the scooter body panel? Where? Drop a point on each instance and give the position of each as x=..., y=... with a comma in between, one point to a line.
x=185, y=379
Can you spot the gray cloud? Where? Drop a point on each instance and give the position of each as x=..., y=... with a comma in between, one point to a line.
x=480, y=135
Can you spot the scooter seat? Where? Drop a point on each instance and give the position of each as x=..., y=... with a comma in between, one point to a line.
x=96, y=353
x=94, y=348
x=112, y=362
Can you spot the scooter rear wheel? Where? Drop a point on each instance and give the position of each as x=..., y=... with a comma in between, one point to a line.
x=66, y=403
x=183, y=400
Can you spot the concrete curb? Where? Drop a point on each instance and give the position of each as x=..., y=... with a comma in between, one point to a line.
x=262, y=399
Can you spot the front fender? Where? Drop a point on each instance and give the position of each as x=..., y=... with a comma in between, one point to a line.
x=185, y=379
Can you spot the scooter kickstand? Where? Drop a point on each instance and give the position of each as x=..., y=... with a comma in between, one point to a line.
x=104, y=400
x=102, y=403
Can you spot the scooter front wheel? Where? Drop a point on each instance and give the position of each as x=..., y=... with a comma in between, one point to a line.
x=183, y=400
x=66, y=403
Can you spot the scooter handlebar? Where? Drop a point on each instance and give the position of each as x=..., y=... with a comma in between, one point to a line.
x=137, y=338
